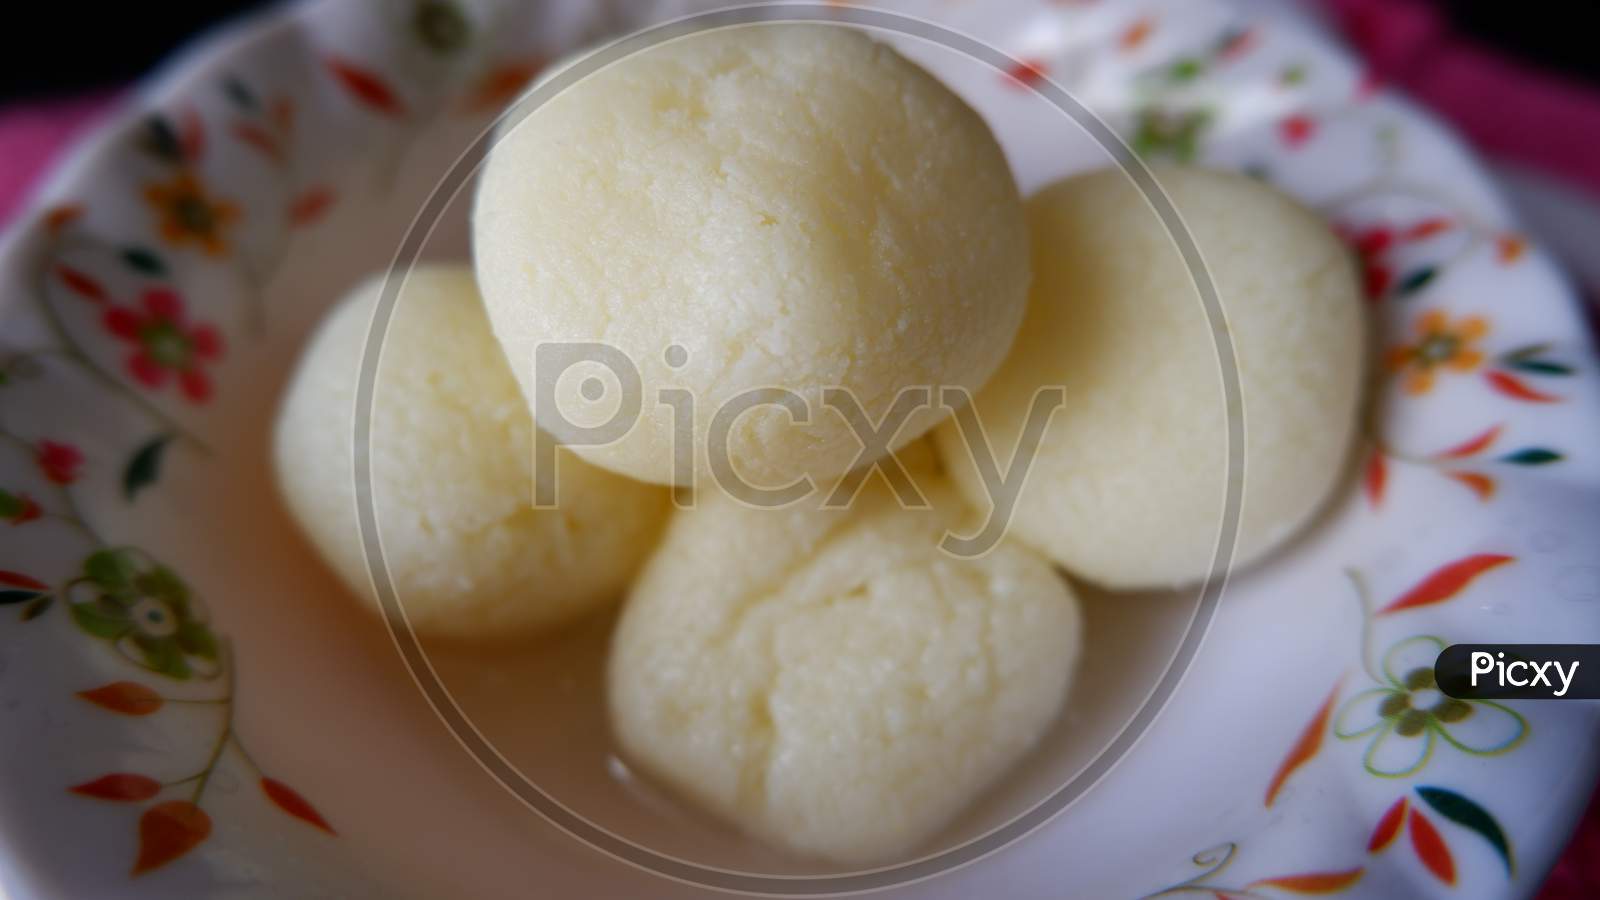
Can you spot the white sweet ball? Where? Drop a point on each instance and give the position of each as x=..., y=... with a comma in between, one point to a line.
x=829, y=680
x=796, y=206
x=451, y=461
x=1129, y=485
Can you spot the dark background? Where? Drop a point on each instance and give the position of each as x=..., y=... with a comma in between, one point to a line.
x=66, y=47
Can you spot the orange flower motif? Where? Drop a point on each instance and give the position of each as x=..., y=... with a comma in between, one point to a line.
x=1439, y=344
x=188, y=214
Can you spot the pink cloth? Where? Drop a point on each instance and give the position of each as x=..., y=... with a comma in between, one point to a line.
x=1509, y=109
x=1514, y=111
x=1577, y=874
x=31, y=134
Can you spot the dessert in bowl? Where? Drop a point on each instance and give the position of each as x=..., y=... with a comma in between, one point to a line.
x=1463, y=517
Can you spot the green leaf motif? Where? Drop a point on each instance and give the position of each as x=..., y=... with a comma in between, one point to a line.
x=1186, y=69
x=239, y=93
x=9, y=597
x=96, y=622
x=163, y=656
x=161, y=140
x=1528, y=359
x=1417, y=280
x=10, y=504
x=196, y=639
x=1527, y=352
x=145, y=466
x=1468, y=814
x=1532, y=456
x=165, y=584
x=1170, y=134
x=113, y=570
x=1539, y=366
x=441, y=26
x=144, y=260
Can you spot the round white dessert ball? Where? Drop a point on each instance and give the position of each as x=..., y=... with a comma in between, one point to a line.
x=1128, y=487
x=451, y=462
x=829, y=680
x=794, y=206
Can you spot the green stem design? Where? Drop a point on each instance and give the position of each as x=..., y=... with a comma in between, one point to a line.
x=181, y=781
x=203, y=778
x=74, y=515
x=255, y=315
x=258, y=274
x=244, y=753
x=1358, y=581
x=76, y=521
x=1212, y=862
x=227, y=737
x=1383, y=447
x=1424, y=460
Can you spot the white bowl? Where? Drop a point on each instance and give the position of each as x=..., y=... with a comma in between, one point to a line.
x=309, y=136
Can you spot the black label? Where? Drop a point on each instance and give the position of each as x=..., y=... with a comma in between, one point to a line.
x=1519, y=671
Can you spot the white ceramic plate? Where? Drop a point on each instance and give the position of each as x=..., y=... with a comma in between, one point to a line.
x=190, y=707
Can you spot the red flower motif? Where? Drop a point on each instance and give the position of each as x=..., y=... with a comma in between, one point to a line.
x=1136, y=34
x=1296, y=130
x=58, y=461
x=1509, y=248
x=1374, y=241
x=165, y=344
x=1374, y=245
x=1371, y=245
x=1236, y=43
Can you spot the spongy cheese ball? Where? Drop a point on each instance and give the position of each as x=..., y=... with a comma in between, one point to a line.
x=1129, y=484
x=767, y=206
x=829, y=681
x=451, y=463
